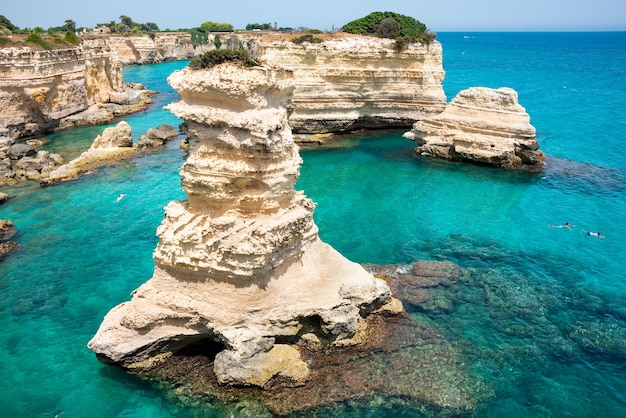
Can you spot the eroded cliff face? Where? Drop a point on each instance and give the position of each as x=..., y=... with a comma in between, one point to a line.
x=345, y=83
x=481, y=125
x=351, y=82
x=239, y=264
x=155, y=48
x=40, y=89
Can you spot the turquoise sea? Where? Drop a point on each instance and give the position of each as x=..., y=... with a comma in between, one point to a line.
x=540, y=316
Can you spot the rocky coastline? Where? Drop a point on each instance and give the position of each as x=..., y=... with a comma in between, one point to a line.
x=42, y=91
x=245, y=245
x=115, y=144
x=343, y=83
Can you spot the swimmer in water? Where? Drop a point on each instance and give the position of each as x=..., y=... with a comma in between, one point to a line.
x=596, y=234
x=120, y=197
x=567, y=225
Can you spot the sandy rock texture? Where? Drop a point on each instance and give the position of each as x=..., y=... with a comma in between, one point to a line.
x=239, y=265
x=481, y=125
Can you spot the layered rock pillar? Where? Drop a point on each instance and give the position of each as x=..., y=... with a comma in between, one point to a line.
x=239, y=265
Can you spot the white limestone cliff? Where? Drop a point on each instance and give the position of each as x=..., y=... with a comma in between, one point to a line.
x=42, y=91
x=239, y=263
x=345, y=83
x=351, y=82
x=156, y=47
x=481, y=125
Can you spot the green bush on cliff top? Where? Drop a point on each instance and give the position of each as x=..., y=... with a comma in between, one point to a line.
x=404, y=29
x=219, y=56
x=38, y=40
x=307, y=38
x=70, y=37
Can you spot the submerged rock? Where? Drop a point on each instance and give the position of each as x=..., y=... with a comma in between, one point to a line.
x=7, y=247
x=239, y=266
x=7, y=230
x=481, y=125
x=401, y=364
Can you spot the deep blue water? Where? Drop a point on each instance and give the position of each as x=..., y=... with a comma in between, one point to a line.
x=540, y=315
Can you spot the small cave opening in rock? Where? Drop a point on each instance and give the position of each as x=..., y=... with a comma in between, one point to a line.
x=308, y=325
x=202, y=346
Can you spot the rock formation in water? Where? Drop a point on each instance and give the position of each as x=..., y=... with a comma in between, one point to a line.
x=481, y=125
x=239, y=265
x=155, y=137
x=351, y=82
x=112, y=146
x=42, y=91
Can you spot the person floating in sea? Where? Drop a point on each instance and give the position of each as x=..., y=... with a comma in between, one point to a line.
x=120, y=197
x=596, y=234
x=567, y=225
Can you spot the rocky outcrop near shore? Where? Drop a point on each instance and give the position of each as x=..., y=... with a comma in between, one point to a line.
x=115, y=144
x=347, y=83
x=21, y=162
x=481, y=125
x=240, y=270
x=43, y=91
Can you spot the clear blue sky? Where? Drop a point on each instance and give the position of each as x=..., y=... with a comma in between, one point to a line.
x=438, y=15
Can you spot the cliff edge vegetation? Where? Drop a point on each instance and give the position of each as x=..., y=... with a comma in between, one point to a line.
x=403, y=29
x=219, y=56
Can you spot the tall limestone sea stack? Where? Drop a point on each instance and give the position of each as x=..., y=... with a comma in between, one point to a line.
x=239, y=265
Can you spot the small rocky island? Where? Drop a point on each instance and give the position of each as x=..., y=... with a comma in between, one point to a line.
x=240, y=268
x=481, y=125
